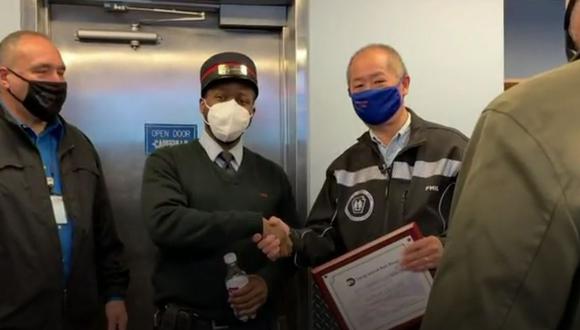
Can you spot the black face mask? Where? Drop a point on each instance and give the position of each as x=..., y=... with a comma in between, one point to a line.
x=44, y=99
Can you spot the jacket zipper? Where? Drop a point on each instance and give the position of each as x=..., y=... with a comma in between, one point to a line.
x=404, y=204
x=387, y=202
x=61, y=154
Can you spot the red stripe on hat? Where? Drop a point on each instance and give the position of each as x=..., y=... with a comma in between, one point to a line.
x=214, y=68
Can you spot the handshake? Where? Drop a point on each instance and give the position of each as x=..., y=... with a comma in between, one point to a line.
x=274, y=240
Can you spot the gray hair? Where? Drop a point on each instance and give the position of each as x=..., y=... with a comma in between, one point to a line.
x=396, y=64
x=10, y=42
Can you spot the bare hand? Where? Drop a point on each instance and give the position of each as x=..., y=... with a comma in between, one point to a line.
x=423, y=254
x=275, y=241
x=247, y=300
x=116, y=315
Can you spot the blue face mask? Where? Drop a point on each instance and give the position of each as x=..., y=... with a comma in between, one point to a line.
x=377, y=106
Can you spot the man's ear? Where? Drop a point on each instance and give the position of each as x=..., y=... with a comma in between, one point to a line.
x=203, y=109
x=252, y=116
x=405, y=84
x=348, y=91
x=4, y=77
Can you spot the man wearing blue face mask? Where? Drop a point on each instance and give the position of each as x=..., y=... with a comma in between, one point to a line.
x=402, y=170
x=207, y=198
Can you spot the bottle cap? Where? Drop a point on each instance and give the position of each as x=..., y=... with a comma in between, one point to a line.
x=230, y=258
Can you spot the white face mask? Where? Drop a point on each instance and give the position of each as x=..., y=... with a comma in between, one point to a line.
x=228, y=120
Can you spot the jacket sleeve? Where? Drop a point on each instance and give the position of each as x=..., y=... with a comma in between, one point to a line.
x=276, y=274
x=112, y=271
x=319, y=241
x=512, y=245
x=173, y=224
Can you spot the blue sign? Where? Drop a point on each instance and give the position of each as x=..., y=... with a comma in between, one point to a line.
x=165, y=135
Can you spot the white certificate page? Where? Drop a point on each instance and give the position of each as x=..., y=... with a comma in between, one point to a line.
x=374, y=292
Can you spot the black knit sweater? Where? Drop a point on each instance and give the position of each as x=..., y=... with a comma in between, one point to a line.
x=195, y=213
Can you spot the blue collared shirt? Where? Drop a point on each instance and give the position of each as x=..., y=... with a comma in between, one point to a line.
x=398, y=142
x=213, y=149
x=47, y=144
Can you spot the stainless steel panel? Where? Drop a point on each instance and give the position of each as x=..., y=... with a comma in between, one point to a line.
x=34, y=15
x=295, y=43
x=295, y=88
x=184, y=2
x=294, y=117
x=115, y=90
x=252, y=16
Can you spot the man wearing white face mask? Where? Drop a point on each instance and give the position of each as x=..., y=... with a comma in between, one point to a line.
x=207, y=198
x=227, y=121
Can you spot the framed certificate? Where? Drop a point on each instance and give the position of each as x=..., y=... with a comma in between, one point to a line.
x=366, y=289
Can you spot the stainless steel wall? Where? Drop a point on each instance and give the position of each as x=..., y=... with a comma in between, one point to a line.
x=115, y=90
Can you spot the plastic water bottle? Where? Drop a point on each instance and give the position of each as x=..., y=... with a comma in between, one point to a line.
x=236, y=278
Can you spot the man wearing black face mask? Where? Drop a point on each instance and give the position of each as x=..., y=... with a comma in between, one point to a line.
x=207, y=198
x=512, y=259
x=60, y=257
x=402, y=170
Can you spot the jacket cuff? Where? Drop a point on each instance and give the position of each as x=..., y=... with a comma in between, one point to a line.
x=115, y=298
x=116, y=292
x=297, y=238
x=256, y=226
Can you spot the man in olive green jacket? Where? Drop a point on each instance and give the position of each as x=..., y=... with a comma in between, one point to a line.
x=513, y=251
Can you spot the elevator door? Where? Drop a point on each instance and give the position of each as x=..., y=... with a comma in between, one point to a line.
x=115, y=90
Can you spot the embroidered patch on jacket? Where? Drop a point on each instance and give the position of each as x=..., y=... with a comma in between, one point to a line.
x=432, y=188
x=360, y=206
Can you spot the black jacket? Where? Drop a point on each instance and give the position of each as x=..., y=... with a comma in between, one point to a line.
x=33, y=295
x=363, y=199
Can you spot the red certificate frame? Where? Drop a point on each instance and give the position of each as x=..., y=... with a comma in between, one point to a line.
x=410, y=229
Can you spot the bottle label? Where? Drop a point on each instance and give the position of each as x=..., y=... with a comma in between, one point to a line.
x=236, y=282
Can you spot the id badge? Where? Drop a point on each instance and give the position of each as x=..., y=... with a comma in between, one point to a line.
x=58, y=209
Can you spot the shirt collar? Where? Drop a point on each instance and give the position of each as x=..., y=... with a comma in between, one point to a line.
x=213, y=149
x=55, y=128
x=403, y=131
